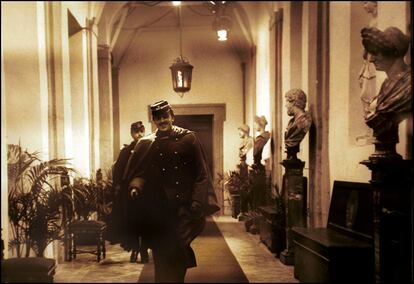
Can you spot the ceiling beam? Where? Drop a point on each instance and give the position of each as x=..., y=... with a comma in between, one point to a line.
x=121, y=22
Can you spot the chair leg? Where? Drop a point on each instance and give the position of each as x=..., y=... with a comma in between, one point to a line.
x=103, y=248
x=99, y=249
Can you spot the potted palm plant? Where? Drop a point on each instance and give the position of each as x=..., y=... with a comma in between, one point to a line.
x=35, y=200
x=35, y=213
x=236, y=185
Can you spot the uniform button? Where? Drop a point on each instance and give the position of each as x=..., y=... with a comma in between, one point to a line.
x=185, y=163
x=163, y=169
x=175, y=152
x=161, y=155
x=176, y=182
x=176, y=139
x=177, y=195
x=175, y=168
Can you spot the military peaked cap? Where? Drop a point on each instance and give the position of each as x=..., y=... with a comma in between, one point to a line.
x=137, y=126
x=160, y=107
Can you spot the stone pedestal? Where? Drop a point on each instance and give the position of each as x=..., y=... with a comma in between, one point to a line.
x=258, y=187
x=258, y=197
x=294, y=186
x=244, y=197
x=391, y=180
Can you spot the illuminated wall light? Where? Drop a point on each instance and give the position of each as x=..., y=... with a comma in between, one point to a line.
x=176, y=3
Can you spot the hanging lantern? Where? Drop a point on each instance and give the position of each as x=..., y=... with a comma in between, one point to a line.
x=181, y=71
x=222, y=26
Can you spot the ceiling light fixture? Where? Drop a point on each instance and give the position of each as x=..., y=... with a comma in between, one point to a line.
x=222, y=26
x=222, y=23
x=181, y=69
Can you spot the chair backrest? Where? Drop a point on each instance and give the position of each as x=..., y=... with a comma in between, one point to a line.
x=351, y=210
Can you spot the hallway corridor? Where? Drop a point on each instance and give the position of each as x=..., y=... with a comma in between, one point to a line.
x=255, y=262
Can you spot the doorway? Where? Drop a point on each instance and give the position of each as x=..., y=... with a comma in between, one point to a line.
x=203, y=126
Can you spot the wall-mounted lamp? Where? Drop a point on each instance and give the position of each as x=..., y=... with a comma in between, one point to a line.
x=176, y=3
x=181, y=69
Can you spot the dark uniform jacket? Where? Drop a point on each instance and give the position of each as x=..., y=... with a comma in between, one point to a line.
x=176, y=174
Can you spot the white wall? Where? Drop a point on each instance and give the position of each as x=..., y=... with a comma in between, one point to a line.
x=26, y=82
x=344, y=156
x=145, y=78
x=22, y=76
x=79, y=102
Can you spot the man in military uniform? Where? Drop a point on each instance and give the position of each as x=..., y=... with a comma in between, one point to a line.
x=169, y=176
x=135, y=242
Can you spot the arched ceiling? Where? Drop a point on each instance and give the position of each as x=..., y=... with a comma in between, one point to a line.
x=122, y=22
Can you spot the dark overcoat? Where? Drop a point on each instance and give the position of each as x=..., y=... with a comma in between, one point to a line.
x=176, y=174
x=116, y=222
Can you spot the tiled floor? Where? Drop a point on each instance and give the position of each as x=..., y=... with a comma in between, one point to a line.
x=257, y=263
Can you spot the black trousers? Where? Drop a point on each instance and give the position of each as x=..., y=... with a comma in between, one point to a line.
x=169, y=263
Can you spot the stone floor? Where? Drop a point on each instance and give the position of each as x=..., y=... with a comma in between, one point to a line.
x=257, y=263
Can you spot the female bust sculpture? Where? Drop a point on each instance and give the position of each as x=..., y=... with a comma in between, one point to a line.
x=386, y=50
x=260, y=140
x=246, y=143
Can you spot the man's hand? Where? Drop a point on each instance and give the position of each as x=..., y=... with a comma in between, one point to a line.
x=196, y=209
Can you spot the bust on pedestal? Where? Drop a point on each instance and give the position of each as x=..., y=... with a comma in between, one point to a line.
x=257, y=174
x=246, y=158
x=391, y=176
x=294, y=183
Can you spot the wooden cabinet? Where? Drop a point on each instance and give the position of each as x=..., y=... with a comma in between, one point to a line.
x=272, y=229
x=344, y=250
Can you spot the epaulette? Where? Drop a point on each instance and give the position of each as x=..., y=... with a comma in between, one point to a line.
x=123, y=146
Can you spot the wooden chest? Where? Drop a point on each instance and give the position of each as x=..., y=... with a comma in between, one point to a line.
x=272, y=229
x=344, y=251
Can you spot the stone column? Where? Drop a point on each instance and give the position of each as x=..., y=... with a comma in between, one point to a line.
x=105, y=108
x=294, y=187
x=116, y=116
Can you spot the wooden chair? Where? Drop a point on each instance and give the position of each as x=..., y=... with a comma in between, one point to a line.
x=344, y=250
x=87, y=233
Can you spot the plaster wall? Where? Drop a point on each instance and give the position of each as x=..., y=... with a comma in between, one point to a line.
x=22, y=76
x=24, y=87
x=344, y=155
x=79, y=102
x=79, y=10
x=145, y=78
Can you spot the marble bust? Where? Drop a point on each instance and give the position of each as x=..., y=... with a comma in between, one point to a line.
x=386, y=50
x=300, y=122
x=246, y=143
x=260, y=140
